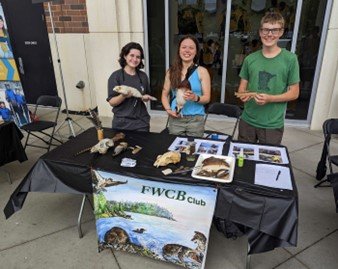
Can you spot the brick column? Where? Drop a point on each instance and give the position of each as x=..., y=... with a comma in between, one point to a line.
x=68, y=17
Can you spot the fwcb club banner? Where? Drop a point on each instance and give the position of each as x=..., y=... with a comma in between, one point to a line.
x=163, y=221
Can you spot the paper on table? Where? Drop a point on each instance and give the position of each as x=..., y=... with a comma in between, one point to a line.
x=209, y=146
x=271, y=154
x=180, y=144
x=274, y=176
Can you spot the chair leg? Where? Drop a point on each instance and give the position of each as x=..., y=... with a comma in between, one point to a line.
x=247, y=258
x=26, y=142
x=321, y=182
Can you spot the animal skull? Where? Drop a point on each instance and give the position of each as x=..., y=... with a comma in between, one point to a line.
x=103, y=146
x=166, y=158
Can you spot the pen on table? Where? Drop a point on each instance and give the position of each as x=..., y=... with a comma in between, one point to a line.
x=278, y=174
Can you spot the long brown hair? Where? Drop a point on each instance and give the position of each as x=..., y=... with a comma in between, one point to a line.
x=176, y=68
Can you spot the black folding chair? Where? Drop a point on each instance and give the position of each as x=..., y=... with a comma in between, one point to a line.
x=45, y=106
x=227, y=110
x=330, y=127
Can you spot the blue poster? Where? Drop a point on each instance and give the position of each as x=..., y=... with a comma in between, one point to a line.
x=13, y=106
x=163, y=221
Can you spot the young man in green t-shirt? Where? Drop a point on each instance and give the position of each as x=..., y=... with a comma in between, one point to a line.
x=273, y=74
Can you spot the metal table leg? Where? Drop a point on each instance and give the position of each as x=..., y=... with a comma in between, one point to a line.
x=80, y=216
x=84, y=197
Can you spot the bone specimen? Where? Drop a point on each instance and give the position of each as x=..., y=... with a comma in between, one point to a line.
x=103, y=146
x=119, y=148
x=166, y=158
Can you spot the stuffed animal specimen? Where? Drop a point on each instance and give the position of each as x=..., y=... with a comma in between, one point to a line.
x=181, y=90
x=126, y=90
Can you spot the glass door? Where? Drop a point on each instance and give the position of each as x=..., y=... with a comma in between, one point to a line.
x=245, y=17
x=205, y=19
x=228, y=32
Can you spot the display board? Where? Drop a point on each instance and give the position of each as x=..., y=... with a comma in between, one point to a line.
x=13, y=105
x=163, y=221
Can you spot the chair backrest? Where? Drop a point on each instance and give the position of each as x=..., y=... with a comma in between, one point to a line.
x=48, y=101
x=330, y=127
x=228, y=110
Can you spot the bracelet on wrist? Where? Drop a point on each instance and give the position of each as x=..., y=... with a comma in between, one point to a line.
x=166, y=109
x=198, y=98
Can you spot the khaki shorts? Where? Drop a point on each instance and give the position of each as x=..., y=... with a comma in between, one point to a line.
x=187, y=126
x=251, y=134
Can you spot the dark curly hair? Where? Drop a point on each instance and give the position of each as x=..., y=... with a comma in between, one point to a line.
x=125, y=51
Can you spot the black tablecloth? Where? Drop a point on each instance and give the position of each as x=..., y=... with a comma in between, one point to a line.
x=10, y=144
x=267, y=216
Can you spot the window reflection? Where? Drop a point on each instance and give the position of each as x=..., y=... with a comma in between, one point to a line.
x=244, y=36
x=206, y=20
x=156, y=35
x=310, y=30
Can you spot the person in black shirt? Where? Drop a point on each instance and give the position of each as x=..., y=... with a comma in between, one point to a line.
x=130, y=113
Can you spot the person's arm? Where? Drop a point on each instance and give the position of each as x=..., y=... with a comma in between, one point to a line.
x=165, y=96
x=206, y=88
x=114, y=99
x=243, y=85
x=146, y=96
x=291, y=94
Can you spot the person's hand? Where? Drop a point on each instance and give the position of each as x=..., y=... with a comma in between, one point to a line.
x=245, y=98
x=262, y=99
x=173, y=114
x=189, y=96
x=148, y=97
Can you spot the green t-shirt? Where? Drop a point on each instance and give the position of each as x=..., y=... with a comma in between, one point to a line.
x=270, y=76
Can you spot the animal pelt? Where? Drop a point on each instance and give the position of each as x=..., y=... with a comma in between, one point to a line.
x=126, y=90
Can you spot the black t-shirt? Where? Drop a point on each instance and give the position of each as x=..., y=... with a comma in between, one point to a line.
x=132, y=113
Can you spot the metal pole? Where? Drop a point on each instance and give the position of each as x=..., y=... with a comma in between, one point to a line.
x=68, y=119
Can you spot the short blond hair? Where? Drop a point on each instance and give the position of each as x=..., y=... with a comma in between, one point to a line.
x=273, y=17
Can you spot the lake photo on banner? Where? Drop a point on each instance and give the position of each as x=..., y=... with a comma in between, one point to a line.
x=163, y=221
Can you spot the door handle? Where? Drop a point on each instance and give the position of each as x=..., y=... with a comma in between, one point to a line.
x=21, y=69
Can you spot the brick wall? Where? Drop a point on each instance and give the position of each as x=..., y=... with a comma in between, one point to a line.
x=68, y=17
